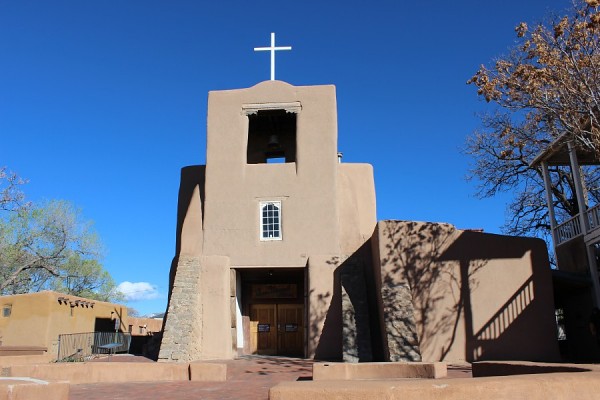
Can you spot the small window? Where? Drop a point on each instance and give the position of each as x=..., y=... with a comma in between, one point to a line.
x=130, y=328
x=6, y=310
x=270, y=220
x=141, y=330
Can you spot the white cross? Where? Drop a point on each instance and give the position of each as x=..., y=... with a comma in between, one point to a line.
x=272, y=49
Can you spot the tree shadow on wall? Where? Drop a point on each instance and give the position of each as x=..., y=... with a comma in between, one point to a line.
x=500, y=336
x=341, y=316
x=440, y=265
x=411, y=252
x=358, y=303
x=325, y=317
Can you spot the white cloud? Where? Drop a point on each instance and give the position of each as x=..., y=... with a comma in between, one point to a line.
x=136, y=291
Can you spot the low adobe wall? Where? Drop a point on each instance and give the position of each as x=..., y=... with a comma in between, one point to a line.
x=22, y=350
x=208, y=372
x=505, y=368
x=7, y=361
x=581, y=386
x=78, y=373
x=385, y=370
x=27, y=388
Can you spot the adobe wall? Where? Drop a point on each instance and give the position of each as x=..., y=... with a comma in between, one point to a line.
x=181, y=337
x=378, y=370
x=581, y=386
x=357, y=205
x=22, y=359
x=81, y=318
x=307, y=188
x=29, y=388
x=96, y=372
x=475, y=296
x=327, y=211
x=324, y=308
x=107, y=372
x=37, y=319
x=143, y=326
x=198, y=320
x=506, y=368
x=28, y=321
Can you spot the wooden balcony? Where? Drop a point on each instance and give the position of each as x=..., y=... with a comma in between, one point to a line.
x=577, y=240
x=571, y=228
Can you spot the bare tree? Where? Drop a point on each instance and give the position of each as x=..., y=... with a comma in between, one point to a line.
x=547, y=86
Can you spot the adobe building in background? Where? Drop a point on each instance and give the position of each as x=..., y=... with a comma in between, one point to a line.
x=31, y=323
x=279, y=252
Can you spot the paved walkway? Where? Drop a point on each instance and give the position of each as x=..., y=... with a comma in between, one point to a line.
x=247, y=378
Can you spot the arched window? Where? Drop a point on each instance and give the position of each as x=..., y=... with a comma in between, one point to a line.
x=270, y=220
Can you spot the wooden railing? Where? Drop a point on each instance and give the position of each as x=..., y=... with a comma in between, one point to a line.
x=593, y=217
x=568, y=230
x=571, y=228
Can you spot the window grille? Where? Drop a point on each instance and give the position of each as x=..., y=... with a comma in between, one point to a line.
x=270, y=220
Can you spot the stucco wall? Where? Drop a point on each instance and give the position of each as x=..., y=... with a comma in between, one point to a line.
x=28, y=321
x=327, y=214
x=38, y=318
x=476, y=296
x=189, y=235
x=82, y=319
x=357, y=205
x=143, y=326
x=307, y=188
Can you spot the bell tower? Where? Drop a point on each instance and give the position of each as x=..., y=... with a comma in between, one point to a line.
x=263, y=227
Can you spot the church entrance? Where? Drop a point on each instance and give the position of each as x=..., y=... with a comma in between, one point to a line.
x=273, y=311
x=277, y=329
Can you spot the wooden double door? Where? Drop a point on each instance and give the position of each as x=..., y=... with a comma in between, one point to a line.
x=277, y=329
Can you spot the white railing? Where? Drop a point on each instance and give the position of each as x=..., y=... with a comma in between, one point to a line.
x=593, y=217
x=568, y=230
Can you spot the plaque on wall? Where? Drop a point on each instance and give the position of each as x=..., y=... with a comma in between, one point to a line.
x=291, y=327
x=264, y=327
x=275, y=291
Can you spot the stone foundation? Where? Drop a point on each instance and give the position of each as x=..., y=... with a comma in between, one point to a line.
x=181, y=339
x=356, y=332
x=197, y=323
x=399, y=322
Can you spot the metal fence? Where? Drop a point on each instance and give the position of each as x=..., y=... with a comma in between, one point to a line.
x=79, y=346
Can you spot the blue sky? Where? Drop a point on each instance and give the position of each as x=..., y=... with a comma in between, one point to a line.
x=103, y=102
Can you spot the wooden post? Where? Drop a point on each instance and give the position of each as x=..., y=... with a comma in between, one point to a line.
x=579, y=193
x=551, y=215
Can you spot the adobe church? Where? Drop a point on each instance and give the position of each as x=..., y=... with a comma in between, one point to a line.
x=279, y=253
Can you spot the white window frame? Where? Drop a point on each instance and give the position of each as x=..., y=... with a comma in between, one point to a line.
x=262, y=223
